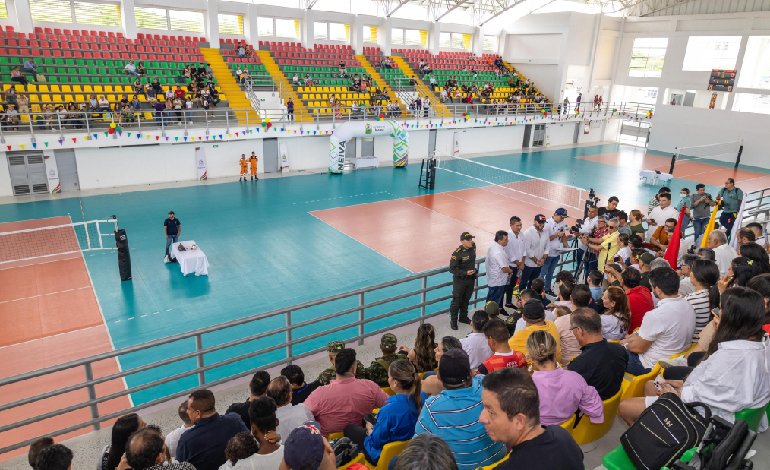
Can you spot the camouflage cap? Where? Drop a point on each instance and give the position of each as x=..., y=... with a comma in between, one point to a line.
x=388, y=342
x=335, y=346
x=492, y=308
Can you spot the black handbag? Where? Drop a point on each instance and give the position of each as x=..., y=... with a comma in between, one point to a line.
x=664, y=431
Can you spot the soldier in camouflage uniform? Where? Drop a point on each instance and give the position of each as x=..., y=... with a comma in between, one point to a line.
x=326, y=377
x=462, y=265
x=378, y=371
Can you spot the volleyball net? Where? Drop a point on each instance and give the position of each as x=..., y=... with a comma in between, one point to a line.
x=728, y=152
x=515, y=184
x=54, y=240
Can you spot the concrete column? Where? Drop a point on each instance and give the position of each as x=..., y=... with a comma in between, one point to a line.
x=307, y=34
x=738, y=67
x=477, y=41
x=357, y=35
x=19, y=11
x=212, y=23
x=434, y=38
x=250, y=26
x=128, y=18
x=384, y=36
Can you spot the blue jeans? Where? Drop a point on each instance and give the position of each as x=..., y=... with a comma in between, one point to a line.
x=635, y=366
x=511, y=285
x=699, y=226
x=727, y=220
x=169, y=240
x=548, y=269
x=495, y=294
x=527, y=276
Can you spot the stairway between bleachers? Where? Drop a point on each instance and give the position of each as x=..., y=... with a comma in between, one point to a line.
x=238, y=100
x=422, y=89
x=301, y=113
x=381, y=83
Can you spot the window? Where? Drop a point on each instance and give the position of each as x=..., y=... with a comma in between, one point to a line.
x=711, y=52
x=755, y=72
x=409, y=37
x=445, y=40
x=397, y=36
x=647, y=57
x=230, y=24
x=265, y=27
x=454, y=41
x=3, y=10
x=186, y=21
x=339, y=32
x=73, y=11
x=151, y=18
x=370, y=34
x=489, y=43
x=169, y=20
x=287, y=28
x=320, y=30
x=751, y=103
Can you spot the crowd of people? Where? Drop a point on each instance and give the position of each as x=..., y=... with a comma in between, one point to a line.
x=195, y=90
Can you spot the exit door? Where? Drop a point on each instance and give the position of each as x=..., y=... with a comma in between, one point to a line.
x=27, y=173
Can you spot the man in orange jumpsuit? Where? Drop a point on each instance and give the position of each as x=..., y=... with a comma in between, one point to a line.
x=244, y=167
x=253, y=166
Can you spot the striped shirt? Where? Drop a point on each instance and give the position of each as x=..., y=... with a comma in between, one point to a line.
x=699, y=301
x=453, y=415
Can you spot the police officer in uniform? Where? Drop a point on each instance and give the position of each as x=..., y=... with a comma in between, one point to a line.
x=326, y=377
x=378, y=371
x=462, y=265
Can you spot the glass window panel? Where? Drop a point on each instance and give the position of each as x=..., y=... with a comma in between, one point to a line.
x=320, y=30
x=151, y=18
x=186, y=21
x=752, y=103
x=285, y=28
x=230, y=24
x=101, y=14
x=711, y=52
x=265, y=26
x=647, y=57
x=370, y=34
x=54, y=11
x=445, y=40
x=755, y=71
x=338, y=32
x=397, y=36
x=3, y=10
x=489, y=43
x=457, y=41
x=412, y=37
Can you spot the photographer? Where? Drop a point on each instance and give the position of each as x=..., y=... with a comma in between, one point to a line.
x=606, y=245
x=584, y=230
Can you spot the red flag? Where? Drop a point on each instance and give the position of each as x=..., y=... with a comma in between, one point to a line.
x=672, y=252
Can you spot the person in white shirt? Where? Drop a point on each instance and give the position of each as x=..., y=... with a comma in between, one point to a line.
x=535, y=251
x=497, y=268
x=475, y=344
x=666, y=330
x=289, y=417
x=130, y=68
x=589, y=224
x=663, y=212
x=556, y=229
x=172, y=438
x=736, y=373
x=723, y=253
x=515, y=251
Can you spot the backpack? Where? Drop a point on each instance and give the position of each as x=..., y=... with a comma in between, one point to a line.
x=664, y=431
x=344, y=450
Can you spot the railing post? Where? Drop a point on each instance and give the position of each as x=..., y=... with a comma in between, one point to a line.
x=92, y=394
x=361, y=304
x=476, y=285
x=199, y=359
x=227, y=120
x=423, y=297
x=61, y=128
x=289, y=348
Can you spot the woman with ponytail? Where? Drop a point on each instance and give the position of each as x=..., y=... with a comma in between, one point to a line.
x=396, y=419
x=704, y=276
x=562, y=392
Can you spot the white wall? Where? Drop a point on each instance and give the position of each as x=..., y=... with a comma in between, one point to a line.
x=5, y=177
x=562, y=133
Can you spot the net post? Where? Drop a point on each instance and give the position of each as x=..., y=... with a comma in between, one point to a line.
x=98, y=234
x=673, y=162
x=738, y=158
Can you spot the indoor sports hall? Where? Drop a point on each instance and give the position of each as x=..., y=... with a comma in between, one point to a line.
x=381, y=131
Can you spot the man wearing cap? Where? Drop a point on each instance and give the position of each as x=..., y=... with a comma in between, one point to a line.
x=462, y=265
x=497, y=268
x=306, y=448
x=378, y=371
x=535, y=251
x=556, y=229
x=515, y=251
x=533, y=314
x=732, y=198
x=453, y=414
x=325, y=377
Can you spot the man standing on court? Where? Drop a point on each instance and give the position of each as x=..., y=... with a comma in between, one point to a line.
x=462, y=265
x=244, y=167
x=535, y=251
x=515, y=251
x=253, y=162
x=173, y=228
x=556, y=230
x=497, y=268
x=731, y=204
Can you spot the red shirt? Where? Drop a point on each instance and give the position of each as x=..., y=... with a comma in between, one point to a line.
x=179, y=93
x=640, y=302
x=344, y=402
x=500, y=361
x=766, y=327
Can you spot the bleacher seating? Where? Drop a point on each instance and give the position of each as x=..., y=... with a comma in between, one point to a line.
x=80, y=63
x=257, y=72
x=394, y=76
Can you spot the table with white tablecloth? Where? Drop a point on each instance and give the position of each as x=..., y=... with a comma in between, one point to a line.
x=654, y=177
x=192, y=260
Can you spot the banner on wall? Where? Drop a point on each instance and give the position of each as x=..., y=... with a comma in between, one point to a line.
x=200, y=163
x=350, y=129
x=52, y=173
x=455, y=144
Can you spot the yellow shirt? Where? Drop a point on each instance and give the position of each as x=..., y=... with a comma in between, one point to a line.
x=610, y=247
x=518, y=341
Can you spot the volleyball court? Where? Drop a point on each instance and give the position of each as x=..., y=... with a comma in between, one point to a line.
x=50, y=316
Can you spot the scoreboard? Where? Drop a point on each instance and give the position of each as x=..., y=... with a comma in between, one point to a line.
x=721, y=80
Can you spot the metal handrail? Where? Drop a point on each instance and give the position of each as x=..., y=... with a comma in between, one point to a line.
x=288, y=329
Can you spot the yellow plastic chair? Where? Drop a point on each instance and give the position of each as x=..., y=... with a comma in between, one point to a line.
x=390, y=451
x=569, y=424
x=494, y=465
x=336, y=435
x=357, y=459
x=635, y=386
x=586, y=431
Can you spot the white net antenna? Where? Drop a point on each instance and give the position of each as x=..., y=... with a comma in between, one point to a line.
x=54, y=240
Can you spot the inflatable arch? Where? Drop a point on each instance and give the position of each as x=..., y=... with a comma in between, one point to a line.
x=351, y=129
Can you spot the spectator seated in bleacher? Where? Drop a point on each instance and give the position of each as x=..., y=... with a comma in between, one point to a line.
x=244, y=76
x=146, y=451
x=264, y=425
x=393, y=109
x=386, y=63
x=306, y=448
x=511, y=416
x=299, y=389
x=54, y=457
x=130, y=68
x=18, y=77
x=342, y=70
x=295, y=79
x=257, y=388
x=289, y=416
x=121, y=431
x=30, y=69
x=308, y=81
x=241, y=50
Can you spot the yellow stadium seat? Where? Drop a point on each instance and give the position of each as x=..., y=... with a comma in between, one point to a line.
x=42, y=88
x=388, y=391
x=336, y=435
x=494, y=465
x=66, y=89
x=98, y=89
x=390, y=451
x=148, y=115
x=357, y=459
x=586, y=431
x=45, y=98
x=88, y=89
x=34, y=98
x=569, y=424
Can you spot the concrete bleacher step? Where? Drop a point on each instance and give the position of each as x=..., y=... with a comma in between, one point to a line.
x=422, y=89
x=230, y=87
x=381, y=83
x=301, y=113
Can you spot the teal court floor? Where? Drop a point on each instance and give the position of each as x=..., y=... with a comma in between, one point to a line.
x=272, y=244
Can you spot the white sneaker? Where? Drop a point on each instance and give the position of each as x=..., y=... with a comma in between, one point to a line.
x=165, y=259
